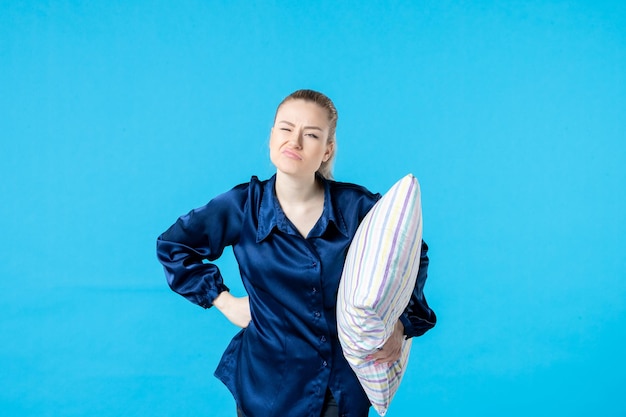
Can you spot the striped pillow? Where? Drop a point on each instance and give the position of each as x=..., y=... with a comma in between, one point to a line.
x=376, y=285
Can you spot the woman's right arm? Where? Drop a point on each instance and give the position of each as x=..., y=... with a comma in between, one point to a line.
x=235, y=309
x=188, y=248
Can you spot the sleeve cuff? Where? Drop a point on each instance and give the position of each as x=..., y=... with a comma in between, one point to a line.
x=207, y=302
x=408, y=326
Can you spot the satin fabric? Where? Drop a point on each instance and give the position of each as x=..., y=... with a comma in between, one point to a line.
x=289, y=355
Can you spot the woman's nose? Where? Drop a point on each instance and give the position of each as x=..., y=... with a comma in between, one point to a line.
x=296, y=139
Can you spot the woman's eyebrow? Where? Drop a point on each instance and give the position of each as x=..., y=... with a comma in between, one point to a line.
x=306, y=127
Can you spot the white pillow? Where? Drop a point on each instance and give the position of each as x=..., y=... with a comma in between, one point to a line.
x=376, y=285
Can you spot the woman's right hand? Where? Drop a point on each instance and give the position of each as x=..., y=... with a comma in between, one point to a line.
x=236, y=309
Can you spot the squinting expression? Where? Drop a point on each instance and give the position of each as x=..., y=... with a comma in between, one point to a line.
x=299, y=138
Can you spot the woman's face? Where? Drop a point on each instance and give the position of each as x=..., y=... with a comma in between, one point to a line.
x=299, y=138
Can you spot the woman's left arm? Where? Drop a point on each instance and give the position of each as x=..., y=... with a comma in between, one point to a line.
x=416, y=320
x=418, y=317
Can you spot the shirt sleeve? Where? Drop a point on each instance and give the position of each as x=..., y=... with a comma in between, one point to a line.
x=418, y=317
x=186, y=250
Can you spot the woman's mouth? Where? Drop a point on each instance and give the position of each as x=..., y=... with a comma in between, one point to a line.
x=291, y=154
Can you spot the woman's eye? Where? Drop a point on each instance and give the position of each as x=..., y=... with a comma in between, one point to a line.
x=286, y=129
x=313, y=135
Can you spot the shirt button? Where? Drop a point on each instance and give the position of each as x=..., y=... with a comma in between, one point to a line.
x=324, y=364
x=314, y=290
x=323, y=338
x=317, y=314
x=314, y=264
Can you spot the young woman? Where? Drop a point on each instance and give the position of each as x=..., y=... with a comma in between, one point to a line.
x=290, y=235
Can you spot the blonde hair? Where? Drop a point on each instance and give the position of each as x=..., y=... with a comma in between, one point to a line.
x=326, y=169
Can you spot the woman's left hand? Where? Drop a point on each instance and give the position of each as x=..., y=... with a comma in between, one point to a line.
x=391, y=350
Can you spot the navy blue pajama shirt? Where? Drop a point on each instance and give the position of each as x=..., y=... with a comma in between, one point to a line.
x=283, y=363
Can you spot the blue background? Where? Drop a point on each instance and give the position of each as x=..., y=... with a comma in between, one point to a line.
x=117, y=117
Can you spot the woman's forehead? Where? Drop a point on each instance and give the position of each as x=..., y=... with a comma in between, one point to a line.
x=302, y=112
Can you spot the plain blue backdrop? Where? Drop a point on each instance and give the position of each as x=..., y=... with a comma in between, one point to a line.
x=118, y=116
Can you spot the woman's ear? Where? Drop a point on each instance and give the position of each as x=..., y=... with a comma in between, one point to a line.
x=330, y=148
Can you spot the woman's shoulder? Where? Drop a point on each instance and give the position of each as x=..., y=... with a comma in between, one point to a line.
x=351, y=190
x=349, y=198
x=243, y=191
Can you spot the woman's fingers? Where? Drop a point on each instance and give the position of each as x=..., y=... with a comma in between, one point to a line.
x=392, y=349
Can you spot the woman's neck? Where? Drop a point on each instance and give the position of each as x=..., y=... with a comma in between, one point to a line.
x=301, y=199
x=297, y=190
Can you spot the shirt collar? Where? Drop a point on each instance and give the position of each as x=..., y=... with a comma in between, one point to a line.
x=271, y=215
